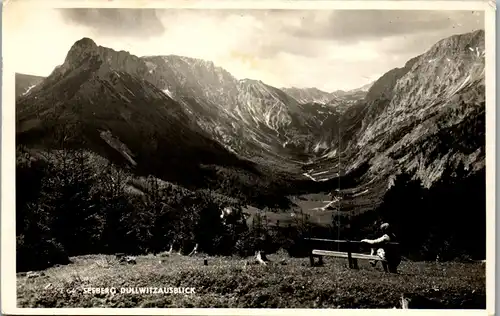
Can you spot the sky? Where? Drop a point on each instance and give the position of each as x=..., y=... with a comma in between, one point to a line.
x=327, y=49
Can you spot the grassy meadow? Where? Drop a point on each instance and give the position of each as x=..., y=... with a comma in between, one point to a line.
x=232, y=282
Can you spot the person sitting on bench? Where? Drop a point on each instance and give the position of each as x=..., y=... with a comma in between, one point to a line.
x=389, y=255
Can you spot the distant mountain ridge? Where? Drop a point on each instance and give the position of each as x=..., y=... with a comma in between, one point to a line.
x=309, y=95
x=339, y=98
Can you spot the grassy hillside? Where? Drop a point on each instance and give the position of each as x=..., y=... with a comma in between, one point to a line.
x=228, y=282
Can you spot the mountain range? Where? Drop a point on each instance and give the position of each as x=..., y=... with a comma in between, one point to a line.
x=169, y=115
x=95, y=100
x=314, y=95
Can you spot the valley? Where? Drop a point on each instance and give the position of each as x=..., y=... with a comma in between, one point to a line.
x=160, y=144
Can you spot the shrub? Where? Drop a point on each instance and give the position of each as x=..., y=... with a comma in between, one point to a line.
x=38, y=253
x=78, y=207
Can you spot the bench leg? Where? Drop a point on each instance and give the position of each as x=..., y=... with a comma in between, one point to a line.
x=355, y=264
x=384, y=265
x=393, y=268
x=320, y=262
x=314, y=264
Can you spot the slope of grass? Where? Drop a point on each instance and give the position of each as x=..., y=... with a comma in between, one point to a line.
x=229, y=282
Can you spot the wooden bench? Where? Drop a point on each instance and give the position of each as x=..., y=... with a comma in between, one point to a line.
x=350, y=250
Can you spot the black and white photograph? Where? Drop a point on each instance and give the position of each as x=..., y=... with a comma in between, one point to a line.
x=249, y=157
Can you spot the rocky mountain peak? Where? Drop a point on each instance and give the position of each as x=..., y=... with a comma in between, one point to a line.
x=459, y=44
x=87, y=54
x=81, y=51
x=85, y=42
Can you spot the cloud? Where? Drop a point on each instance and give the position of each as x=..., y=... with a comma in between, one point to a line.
x=116, y=22
x=326, y=49
x=359, y=25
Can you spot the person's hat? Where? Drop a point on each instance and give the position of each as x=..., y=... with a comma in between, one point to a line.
x=384, y=226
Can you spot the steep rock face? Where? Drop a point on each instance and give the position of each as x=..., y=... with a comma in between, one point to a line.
x=90, y=101
x=423, y=118
x=444, y=91
x=247, y=116
x=433, y=104
x=179, y=76
x=267, y=105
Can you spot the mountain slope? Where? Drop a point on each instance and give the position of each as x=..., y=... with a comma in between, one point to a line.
x=94, y=100
x=247, y=116
x=24, y=83
x=424, y=118
x=444, y=92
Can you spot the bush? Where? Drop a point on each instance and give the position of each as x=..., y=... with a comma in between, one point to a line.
x=77, y=207
x=38, y=253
